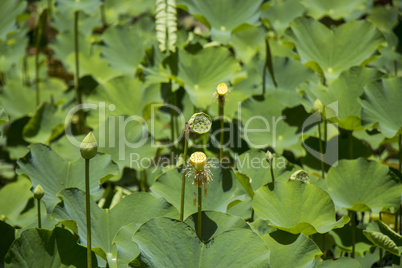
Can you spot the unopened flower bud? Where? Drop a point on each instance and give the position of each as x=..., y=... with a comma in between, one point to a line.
x=89, y=146
x=318, y=106
x=38, y=192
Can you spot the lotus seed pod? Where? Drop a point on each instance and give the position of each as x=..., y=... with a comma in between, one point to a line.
x=300, y=175
x=198, y=160
x=89, y=146
x=38, y=192
x=318, y=106
x=269, y=156
x=222, y=89
x=200, y=123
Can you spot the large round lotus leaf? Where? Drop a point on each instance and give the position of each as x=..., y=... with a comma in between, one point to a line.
x=181, y=247
x=115, y=9
x=127, y=250
x=203, y=72
x=123, y=95
x=127, y=141
x=381, y=103
x=336, y=9
x=45, y=248
x=222, y=20
x=303, y=252
x=214, y=223
x=46, y=124
x=248, y=43
x=334, y=51
x=17, y=99
x=105, y=223
x=63, y=45
x=362, y=185
x=384, y=237
x=53, y=173
x=254, y=164
x=297, y=207
x=280, y=14
x=70, y=6
x=124, y=48
x=341, y=262
x=221, y=190
x=263, y=125
x=93, y=65
x=8, y=14
x=12, y=51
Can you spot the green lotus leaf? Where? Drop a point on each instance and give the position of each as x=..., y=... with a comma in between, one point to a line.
x=47, y=248
x=10, y=9
x=384, y=237
x=248, y=43
x=221, y=190
x=137, y=207
x=3, y=116
x=336, y=9
x=12, y=50
x=92, y=65
x=63, y=45
x=86, y=6
x=17, y=99
x=381, y=103
x=65, y=149
x=221, y=19
x=214, y=223
x=200, y=123
x=119, y=10
x=46, y=124
x=201, y=73
x=389, y=61
x=297, y=207
x=303, y=252
x=124, y=48
x=280, y=14
x=362, y=185
x=264, y=125
x=341, y=262
x=254, y=164
x=127, y=141
x=127, y=250
x=180, y=247
x=64, y=22
x=13, y=200
x=385, y=18
x=123, y=95
x=53, y=173
x=343, y=238
x=334, y=51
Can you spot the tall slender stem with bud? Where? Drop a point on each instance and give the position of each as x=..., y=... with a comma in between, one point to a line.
x=221, y=92
x=88, y=148
x=38, y=194
x=319, y=107
x=270, y=158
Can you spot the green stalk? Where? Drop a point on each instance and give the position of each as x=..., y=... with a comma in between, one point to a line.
x=353, y=214
x=81, y=125
x=325, y=125
x=321, y=151
x=199, y=211
x=350, y=139
x=102, y=12
x=380, y=261
x=400, y=152
x=183, y=178
x=88, y=214
x=39, y=217
x=271, y=167
x=252, y=215
x=221, y=100
x=268, y=65
x=38, y=38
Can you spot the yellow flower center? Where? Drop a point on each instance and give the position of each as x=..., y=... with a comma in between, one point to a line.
x=222, y=89
x=198, y=160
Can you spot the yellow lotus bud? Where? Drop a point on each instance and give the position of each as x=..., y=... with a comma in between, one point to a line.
x=222, y=89
x=198, y=160
x=89, y=146
x=318, y=106
x=38, y=192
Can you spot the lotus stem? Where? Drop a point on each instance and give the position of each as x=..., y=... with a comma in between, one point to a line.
x=199, y=211
x=102, y=13
x=183, y=178
x=37, y=46
x=321, y=151
x=380, y=260
x=252, y=215
x=88, y=214
x=81, y=119
x=39, y=217
x=353, y=214
x=221, y=115
x=350, y=140
x=268, y=65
